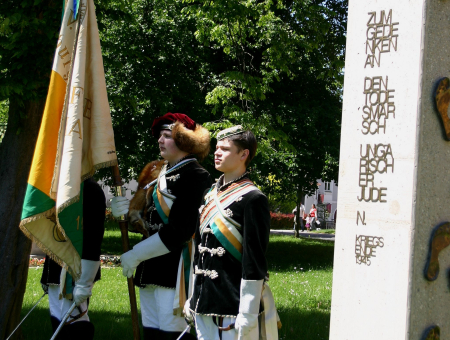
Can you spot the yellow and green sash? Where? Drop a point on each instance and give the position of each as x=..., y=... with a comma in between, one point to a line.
x=224, y=228
x=163, y=200
x=184, y=286
x=163, y=203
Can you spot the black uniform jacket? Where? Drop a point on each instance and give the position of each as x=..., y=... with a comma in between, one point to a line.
x=220, y=295
x=94, y=208
x=187, y=184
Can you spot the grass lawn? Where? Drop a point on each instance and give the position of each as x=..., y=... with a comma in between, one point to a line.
x=108, y=310
x=300, y=279
x=324, y=231
x=112, y=241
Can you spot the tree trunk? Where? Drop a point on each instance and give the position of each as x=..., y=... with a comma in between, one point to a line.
x=16, y=153
x=297, y=213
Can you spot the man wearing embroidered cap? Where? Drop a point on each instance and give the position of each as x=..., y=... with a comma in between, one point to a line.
x=169, y=214
x=231, y=239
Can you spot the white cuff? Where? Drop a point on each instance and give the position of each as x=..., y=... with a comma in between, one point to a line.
x=250, y=296
x=88, y=271
x=150, y=248
x=83, y=287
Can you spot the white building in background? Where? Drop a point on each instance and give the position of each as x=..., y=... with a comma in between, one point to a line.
x=325, y=197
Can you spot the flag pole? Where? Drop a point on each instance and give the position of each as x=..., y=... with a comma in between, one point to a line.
x=123, y=224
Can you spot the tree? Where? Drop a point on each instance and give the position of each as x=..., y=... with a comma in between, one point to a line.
x=28, y=35
x=161, y=68
x=246, y=59
x=282, y=77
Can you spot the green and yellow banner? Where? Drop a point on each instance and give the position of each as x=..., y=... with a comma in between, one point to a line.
x=75, y=139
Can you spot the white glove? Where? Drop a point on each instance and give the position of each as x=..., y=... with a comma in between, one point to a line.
x=244, y=323
x=144, y=250
x=119, y=206
x=83, y=287
x=249, y=302
x=187, y=312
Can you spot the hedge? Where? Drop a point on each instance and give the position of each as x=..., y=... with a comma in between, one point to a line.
x=281, y=221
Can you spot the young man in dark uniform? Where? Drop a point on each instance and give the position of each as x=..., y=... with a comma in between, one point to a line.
x=78, y=325
x=162, y=260
x=231, y=241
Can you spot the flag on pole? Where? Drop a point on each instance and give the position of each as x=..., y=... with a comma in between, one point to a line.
x=75, y=139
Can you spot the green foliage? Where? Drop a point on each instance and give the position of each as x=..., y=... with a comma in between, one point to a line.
x=153, y=65
x=281, y=76
x=28, y=35
x=4, y=106
x=278, y=203
x=273, y=66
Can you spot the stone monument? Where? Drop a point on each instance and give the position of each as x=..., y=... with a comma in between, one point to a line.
x=392, y=260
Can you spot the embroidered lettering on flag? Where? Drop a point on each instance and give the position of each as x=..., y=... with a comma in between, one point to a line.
x=75, y=139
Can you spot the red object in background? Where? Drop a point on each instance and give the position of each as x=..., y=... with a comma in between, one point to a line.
x=170, y=118
x=329, y=207
x=281, y=221
x=321, y=198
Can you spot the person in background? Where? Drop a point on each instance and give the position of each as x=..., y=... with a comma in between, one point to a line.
x=313, y=215
x=308, y=222
x=301, y=215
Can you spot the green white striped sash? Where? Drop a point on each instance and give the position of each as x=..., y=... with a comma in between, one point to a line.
x=224, y=228
x=163, y=200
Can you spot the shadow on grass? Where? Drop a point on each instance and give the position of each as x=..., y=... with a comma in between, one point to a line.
x=37, y=325
x=286, y=252
x=304, y=324
x=108, y=325
x=297, y=324
x=300, y=318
